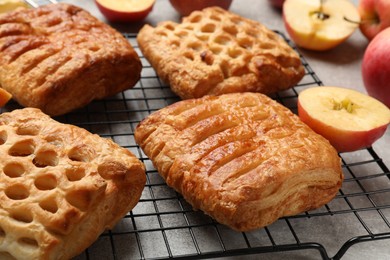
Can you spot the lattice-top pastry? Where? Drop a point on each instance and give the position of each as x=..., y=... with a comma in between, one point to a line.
x=214, y=51
x=59, y=57
x=60, y=186
x=242, y=158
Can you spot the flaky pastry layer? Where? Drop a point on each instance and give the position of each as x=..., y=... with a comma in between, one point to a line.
x=59, y=58
x=214, y=51
x=242, y=158
x=60, y=186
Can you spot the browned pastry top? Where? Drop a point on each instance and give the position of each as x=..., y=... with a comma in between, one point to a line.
x=214, y=51
x=60, y=186
x=242, y=158
x=59, y=57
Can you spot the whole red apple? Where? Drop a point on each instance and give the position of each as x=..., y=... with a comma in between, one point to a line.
x=185, y=7
x=376, y=67
x=375, y=16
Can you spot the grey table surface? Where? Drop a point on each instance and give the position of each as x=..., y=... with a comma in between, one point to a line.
x=340, y=66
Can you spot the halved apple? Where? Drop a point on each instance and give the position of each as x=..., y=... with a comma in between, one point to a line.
x=125, y=10
x=320, y=25
x=5, y=96
x=350, y=120
x=10, y=5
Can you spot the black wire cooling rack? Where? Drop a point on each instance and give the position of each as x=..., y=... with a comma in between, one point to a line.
x=164, y=226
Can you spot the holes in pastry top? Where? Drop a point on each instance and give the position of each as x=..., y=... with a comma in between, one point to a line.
x=75, y=174
x=215, y=17
x=46, y=182
x=189, y=56
x=196, y=19
x=222, y=40
x=2, y=234
x=234, y=53
x=22, y=148
x=3, y=137
x=169, y=26
x=207, y=57
x=45, y=158
x=22, y=216
x=79, y=199
x=203, y=37
x=17, y=192
x=81, y=153
x=28, y=243
x=252, y=32
x=49, y=205
x=232, y=30
x=94, y=48
x=245, y=43
x=236, y=20
x=225, y=69
x=175, y=44
x=162, y=33
x=196, y=46
x=28, y=129
x=216, y=50
x=272, y=36
x=208, y=28
x=181, y=34
x=266, y=45
x=13, y=170
x=53, y=21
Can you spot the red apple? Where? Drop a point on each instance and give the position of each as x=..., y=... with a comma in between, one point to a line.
x=276, y=3
x=125, y=10
x=350, y=120
x=375, y=16
x=320, y=25
x=376, y=67
x=185, y=7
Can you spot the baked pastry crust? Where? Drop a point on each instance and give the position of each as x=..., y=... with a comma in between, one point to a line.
x=242, y=158
x=214, y=51
x=60, y=186
x=59, y=58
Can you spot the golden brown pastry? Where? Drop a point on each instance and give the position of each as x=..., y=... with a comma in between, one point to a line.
x=60, y=186
x=214, y=51
x=242, y=158
x=59, y=57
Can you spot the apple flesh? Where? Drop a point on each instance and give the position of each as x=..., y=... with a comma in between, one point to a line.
x=125, y=10
x=375, y=17
x=10, y=5
x=320, y=25
x=376, y=67
x=185, y=7
x=350, y=120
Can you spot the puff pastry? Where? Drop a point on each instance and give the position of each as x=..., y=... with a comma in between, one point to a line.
x=242, y=158
x=59, y=58
x=214, y=51
x=60, y=186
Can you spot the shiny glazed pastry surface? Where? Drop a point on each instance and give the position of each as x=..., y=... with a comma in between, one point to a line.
x=59, y=58
x=60, y=186
x=242, y=158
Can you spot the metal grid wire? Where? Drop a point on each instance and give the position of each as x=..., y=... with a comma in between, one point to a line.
x=163, y=225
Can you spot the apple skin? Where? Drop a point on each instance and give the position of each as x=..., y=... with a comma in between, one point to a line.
x=375, y=16
x=185, y=7
x=276, y=3
x=341, y=140
x=376, y=67
x=318, y=37
x=123, y=16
